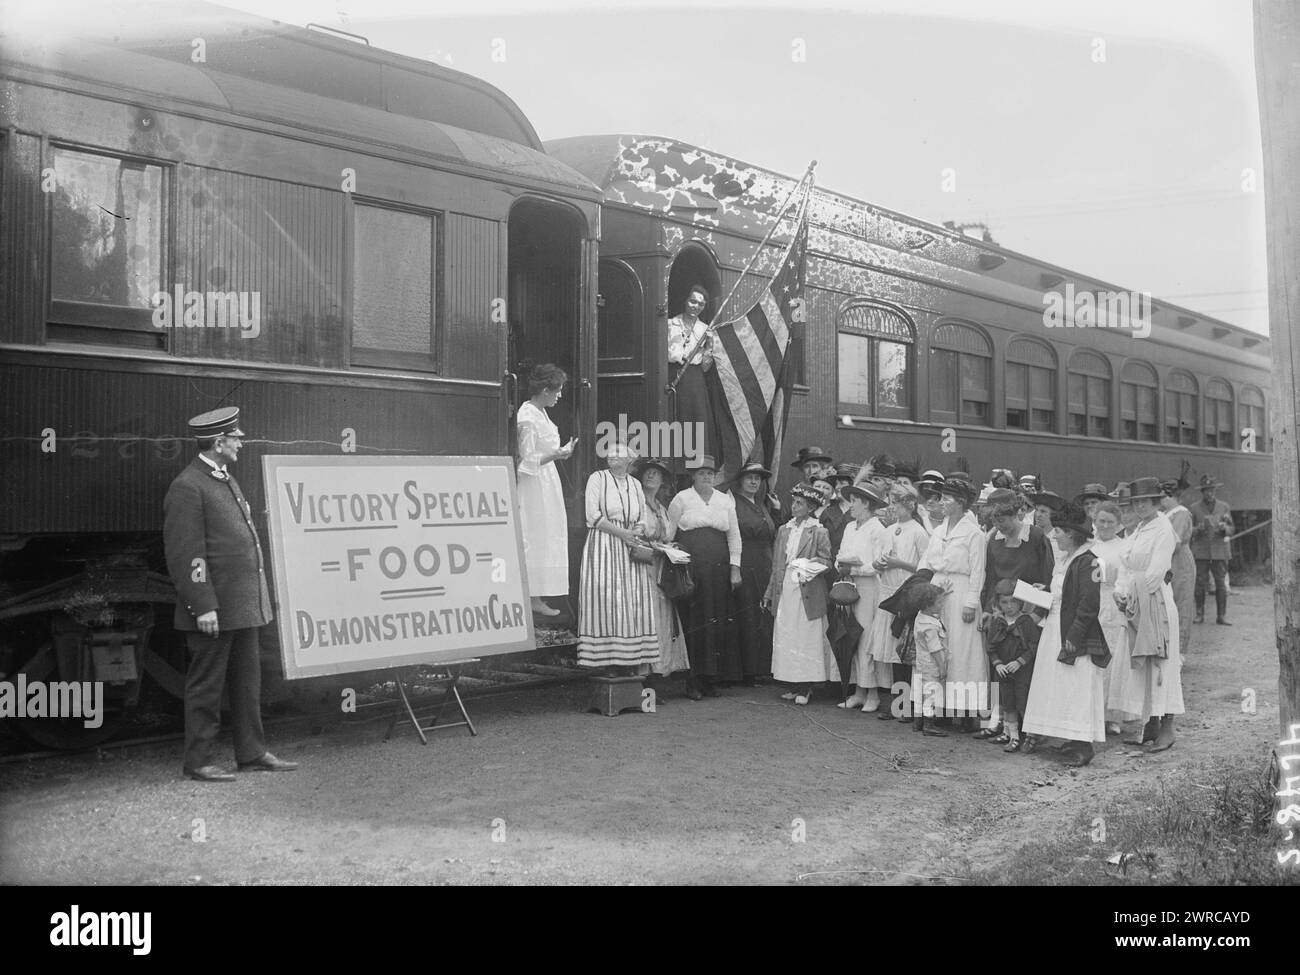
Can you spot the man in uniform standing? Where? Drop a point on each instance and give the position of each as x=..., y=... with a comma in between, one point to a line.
x=215, y=561
x=1211, y=526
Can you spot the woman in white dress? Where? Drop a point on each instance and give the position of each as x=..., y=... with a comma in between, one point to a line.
x=800, y=651
x=865, y=539
x=903, y=543
x=1148, y=603
x=1123, y=695
x=672, y=640
x=956, y=555
x=1067, y=697
x=542, y=517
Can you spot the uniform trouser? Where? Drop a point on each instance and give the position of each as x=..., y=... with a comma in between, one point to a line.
x=237, y=653
x=1204, y=567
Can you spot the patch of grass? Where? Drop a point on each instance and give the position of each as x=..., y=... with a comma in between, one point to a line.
x=1206, y=824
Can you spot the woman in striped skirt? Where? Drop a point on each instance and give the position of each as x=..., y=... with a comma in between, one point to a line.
x=616, y=599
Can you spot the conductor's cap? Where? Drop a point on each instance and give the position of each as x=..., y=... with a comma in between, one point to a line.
x=222, y=422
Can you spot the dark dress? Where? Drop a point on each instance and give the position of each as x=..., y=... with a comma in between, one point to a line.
x=708, y=616
x=757, y=532
x=1029, y=562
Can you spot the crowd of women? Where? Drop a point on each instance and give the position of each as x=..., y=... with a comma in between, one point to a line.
x=1005, y=611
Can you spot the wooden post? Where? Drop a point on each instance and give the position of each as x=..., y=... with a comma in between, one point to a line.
x=1277, y=73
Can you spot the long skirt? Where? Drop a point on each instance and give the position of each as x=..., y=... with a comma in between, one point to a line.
x=694, y=404
x=672, y=637
x=1159, y=681
x=545, y=528
x=801, y=653
x=1184, y=588
x=1065, y=700
x=754, y=625
x=867, y=671
x=967, y=688
x=616, y=606
x=709, y=615
x=1123, y=692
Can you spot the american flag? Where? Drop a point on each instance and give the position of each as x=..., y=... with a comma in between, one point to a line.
x=753, y=355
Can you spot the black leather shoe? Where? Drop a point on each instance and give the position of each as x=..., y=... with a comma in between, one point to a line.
x=268, y=763
x=1222, y=622
x=210, y=773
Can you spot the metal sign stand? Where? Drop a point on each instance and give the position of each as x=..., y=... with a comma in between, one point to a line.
x=451, y=694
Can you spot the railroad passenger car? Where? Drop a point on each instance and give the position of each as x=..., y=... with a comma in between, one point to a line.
x=394, y=228
x=915, y=332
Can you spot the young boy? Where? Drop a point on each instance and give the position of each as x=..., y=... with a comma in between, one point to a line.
x=1013, y=641
x=931, y=658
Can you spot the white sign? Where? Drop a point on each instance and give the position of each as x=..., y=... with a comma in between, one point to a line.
x=395, y=561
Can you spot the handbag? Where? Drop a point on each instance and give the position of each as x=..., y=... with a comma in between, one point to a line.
x=676, y=580
x=844, y=592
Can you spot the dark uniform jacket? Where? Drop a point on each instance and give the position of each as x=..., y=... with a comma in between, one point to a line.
x=207, y=518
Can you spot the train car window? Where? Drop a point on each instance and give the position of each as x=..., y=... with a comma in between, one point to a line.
x=107, y=246
x=394, y=296
x=1031, y=386
x=1218, y=415
x=961, y=363
x=619, y=335
x=1089, y=395
x=875, y=362
x=1181, y=409
x=1137, y=402
x=1253, y=415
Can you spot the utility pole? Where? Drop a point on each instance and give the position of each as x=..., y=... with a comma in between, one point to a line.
x=1277, y=74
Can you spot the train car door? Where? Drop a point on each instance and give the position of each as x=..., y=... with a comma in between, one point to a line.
x=550, y=257
x=624, y=384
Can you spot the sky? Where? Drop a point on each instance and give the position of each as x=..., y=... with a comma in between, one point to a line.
x=1119, y=140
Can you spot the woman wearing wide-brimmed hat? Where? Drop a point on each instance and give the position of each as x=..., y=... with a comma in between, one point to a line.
x=864, y=541
x=1123, y=695
x=704, y=524
x=673, y=657
x=901, y=549
x=801, y=654
x=1152, y=614
x=1068, y=690
x=956, y=554
x=757, y=533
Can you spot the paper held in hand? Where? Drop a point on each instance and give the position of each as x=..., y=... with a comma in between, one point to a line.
x=675, y=555
x=1035, y=597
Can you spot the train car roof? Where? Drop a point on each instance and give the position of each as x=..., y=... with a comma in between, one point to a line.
x=683, y=182
x=144, y=76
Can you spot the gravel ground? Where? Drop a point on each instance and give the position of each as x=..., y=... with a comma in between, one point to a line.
x=741, y=789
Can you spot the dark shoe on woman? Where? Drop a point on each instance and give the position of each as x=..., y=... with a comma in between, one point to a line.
x=1077, y=754
x=693, y=691
x=1149, y=732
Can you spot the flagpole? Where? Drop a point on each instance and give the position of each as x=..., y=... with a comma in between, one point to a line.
x=805, y=179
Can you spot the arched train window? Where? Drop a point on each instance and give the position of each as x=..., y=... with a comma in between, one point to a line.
x=875, y=362
x=1137, y=402
x=1218, y=415
x=1089, y=395
x=1181, y=412
x=961, y=375
x=1252, y=415
x=1031, y=386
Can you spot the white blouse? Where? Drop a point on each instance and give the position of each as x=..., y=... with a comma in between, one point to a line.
x=959, y=550
x=689, y=511
x=681, y=340
x=868, y=542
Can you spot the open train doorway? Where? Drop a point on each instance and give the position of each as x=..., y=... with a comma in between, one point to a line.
x=694, y=265
x=545, y=261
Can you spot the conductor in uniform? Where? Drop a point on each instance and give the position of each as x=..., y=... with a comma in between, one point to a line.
x=215, y=561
